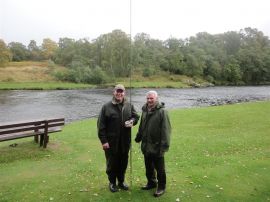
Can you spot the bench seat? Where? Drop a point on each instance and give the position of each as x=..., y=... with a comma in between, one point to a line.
x=39, y=129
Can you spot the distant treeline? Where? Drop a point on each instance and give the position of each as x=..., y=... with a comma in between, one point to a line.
x=230, y=58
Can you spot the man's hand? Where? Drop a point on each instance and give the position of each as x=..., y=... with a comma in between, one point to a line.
x=106, y=146
x=129, y=123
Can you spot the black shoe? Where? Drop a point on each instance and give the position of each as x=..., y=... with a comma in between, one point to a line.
x=123, y=186
x=149, y=186
x=159, y=192
x=113, y=187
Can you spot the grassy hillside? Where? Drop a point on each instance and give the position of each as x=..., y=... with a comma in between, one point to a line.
x=26, y=72
x=37, y=75
x=216, y=154
x=33, y=75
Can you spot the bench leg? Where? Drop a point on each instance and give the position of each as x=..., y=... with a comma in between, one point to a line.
x=36, y=138
x=41, y=140
x=46, y=140
x=46, y=137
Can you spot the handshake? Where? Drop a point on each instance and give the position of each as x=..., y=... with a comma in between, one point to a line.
x=129, y=123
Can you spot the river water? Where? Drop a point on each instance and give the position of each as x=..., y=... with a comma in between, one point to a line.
x=21, y=105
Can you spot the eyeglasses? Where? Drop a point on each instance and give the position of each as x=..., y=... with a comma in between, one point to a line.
x=119, y=91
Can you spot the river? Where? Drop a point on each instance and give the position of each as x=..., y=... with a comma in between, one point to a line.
x=21, y=105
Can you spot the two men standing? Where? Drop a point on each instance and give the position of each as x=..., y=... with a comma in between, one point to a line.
x=115, y=136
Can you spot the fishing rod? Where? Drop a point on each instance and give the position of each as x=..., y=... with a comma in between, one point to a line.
x=130, y=89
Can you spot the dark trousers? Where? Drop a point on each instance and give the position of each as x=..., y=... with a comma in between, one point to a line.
x=116, y=165
x=152, y=164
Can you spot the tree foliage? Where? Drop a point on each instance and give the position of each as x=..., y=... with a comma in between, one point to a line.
x=48, y=48
x=241, y=57
x=34, y=51
x=19, y=51
x=5, y=54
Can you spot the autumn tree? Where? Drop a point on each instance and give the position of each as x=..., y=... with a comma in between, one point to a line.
x=48, y=48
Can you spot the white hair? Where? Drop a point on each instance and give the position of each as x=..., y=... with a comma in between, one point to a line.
x=152, y=92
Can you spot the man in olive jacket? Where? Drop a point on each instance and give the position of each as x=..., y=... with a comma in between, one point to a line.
x=154, y=132
x=114, y=131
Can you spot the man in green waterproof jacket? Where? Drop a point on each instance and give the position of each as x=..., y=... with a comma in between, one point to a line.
x=154, y=135
x=114, y=131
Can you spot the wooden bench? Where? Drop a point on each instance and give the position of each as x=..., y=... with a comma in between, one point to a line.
x=39, y=129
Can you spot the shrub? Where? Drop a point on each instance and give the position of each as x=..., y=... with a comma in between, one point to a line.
x=98, y=76
x=51, y=64
x=148, y=72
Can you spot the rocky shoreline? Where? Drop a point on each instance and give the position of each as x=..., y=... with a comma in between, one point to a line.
x=225, y=101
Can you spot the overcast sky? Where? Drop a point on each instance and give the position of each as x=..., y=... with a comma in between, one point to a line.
x=25, y=20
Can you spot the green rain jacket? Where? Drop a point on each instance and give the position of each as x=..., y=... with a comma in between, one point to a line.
x=154, y=130
x=110, y=125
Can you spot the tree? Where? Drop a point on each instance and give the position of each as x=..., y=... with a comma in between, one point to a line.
x=232, y=42
x=232, y=73
x=113, y=52
x=212, y=68
x=19, y=51
x=251, y=56
x=34, y=51
x=65, y=53
x=140, y=50
x=48, y=48
x=194, y=65
x=84, y=52
x=174, y=56
x=215, y=57
x=149, y=54
x=5, y=54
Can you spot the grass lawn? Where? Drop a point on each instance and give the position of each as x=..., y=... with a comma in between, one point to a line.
x=217, y=154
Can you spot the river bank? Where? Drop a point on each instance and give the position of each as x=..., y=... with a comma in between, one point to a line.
x=32, y=75
x=52, y=85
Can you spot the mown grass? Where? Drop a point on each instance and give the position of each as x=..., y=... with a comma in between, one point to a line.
x=217, y=154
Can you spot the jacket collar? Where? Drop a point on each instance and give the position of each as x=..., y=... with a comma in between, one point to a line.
x=158, y=105
x=115, y=102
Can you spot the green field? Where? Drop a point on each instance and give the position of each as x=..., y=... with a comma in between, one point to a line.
x=217, y=154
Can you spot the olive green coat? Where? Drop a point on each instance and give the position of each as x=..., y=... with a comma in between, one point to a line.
x=154, y=130
x=110, y=125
